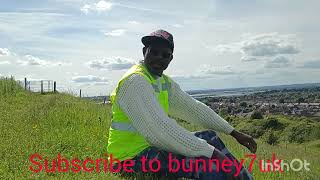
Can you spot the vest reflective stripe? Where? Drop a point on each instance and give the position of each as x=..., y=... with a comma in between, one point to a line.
x=123, y=126
x=166, y=86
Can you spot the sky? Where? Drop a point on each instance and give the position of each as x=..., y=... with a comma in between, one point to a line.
x=90, y=44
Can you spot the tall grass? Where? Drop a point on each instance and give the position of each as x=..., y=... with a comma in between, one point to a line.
x=60, y=123
x=48, y=124
x=9, y=87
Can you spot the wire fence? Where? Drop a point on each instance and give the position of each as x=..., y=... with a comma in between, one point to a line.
x=47, y=86
x=41, y=86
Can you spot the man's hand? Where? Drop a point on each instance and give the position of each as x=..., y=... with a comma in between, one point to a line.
x=245, y=140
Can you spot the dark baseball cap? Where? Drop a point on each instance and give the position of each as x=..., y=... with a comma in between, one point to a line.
x=158, y=35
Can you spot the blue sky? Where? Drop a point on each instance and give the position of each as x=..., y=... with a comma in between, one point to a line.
x=89, y=44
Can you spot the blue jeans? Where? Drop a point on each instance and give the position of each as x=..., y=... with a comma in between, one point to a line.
x=178, y=172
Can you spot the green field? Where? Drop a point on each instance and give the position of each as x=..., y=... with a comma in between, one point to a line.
x=49, y=124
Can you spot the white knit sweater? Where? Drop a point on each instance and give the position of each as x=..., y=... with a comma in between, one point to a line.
x=137, y=99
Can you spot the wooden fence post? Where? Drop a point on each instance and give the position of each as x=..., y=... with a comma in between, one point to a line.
x=25, y=83
x=12, y=83
x=80, y=93
x=6, y=86
x=54, y=86
x=41, y=87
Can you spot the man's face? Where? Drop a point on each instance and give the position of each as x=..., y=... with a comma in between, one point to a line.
x=157, y=57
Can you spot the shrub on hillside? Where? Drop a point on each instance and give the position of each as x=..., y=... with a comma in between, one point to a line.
x=273, y=123
x=223, y=112
x=258, y=128
x=256, y=115
x=315, y=132
x=254, y=129
x=299, y=133
x=270, y=138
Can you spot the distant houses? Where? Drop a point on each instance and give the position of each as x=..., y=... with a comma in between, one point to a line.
x=301, y=109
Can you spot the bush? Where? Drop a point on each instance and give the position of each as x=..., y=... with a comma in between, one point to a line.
x=315, y=132
x=270, y=138
x=273, y=123
x=223, y=112
x=254, y=129
x=256, y=115
x=229, y=119
x=299, y=133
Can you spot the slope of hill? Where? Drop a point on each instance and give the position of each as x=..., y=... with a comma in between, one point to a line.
x=49, y=124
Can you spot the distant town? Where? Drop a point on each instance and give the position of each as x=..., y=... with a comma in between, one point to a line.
x=295, y=99
x=300, y=101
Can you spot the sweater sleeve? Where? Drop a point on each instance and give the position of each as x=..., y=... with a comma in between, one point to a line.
x=137, y=99
x=185, y=107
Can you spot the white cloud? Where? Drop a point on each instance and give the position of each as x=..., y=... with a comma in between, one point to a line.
x=32, y=61
x=5, y=52
x=116, y=32
x=206, y=71
x=311, y=64
x=134, y=22
x=278, y=62
x=90, y=80
x=269, y=45
x=177, y=25
x=261, y=46
x=29, y=60
x=217, y=70
x=98, y=7
x=113, y=63
x=86, y=8
x=223, y=48
x=250, y=58
x=4, y=62
x=103, y=6
x=29, y=78
x=191, y=77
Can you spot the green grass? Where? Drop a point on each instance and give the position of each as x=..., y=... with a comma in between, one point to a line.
x=60, y=123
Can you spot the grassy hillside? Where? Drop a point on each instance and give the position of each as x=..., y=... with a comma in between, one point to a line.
x=278, y=128
x=59, y=123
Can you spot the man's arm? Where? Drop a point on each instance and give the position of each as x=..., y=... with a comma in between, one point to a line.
x=185, y=107
x=137, y=100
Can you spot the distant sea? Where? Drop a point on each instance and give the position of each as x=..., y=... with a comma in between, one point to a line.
x=246, y=90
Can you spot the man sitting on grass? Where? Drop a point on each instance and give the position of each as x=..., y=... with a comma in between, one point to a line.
x=141, y=126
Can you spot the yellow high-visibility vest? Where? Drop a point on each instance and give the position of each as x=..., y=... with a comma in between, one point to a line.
x=124, y=141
